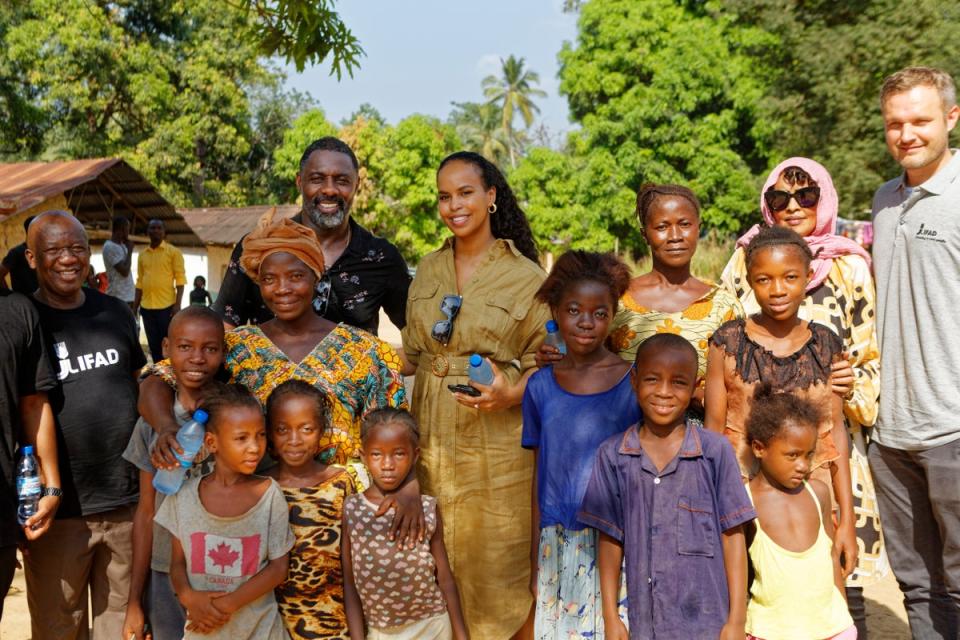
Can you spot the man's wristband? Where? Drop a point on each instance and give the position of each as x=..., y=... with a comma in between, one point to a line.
x=57, y=492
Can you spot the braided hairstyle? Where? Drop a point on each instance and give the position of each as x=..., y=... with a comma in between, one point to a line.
x=649, y=193
x=777, y=237
x=390, y=415
x=774, y=411
x=578, y=266
x=509, y=222
x=302, y=389
x=219, y=397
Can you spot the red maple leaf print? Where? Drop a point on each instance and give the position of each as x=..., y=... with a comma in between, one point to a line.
x=223, y=556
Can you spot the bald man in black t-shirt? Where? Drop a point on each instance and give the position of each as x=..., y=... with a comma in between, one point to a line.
x=95, y=354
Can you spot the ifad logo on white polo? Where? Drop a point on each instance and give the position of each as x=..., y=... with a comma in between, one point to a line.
x=85, y=362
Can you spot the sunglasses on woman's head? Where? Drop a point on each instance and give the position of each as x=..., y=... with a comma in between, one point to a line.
x=443, y=329
x=779, y=200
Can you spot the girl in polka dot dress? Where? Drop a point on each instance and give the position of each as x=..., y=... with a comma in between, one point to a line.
x=391, y=591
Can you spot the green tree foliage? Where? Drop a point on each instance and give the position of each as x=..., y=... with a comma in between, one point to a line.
x=304, y=31
x=404, y=171
x=574, y=201
x=308, y=127
x=479, y=125
x=672, y=93
x=513, y=93
x=397, y=192
x=177, y=88
x=825, y=75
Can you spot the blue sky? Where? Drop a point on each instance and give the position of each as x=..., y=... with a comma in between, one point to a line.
x=423, y=54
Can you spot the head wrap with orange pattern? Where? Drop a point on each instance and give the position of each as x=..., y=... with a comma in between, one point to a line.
x=275, y=234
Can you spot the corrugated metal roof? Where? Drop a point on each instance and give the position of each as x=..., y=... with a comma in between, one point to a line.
x=227, y=225
x=96, y=190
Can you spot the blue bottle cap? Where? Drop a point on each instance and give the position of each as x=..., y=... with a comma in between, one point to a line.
x=476, y=360
x=27, y=450
x=201, y=416
x=551, y=326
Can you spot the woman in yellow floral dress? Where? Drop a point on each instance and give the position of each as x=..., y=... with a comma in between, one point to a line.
x=476, y=295
x=799, y=194
x=669, y=298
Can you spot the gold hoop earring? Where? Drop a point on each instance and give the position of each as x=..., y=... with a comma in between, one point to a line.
x=492, y=209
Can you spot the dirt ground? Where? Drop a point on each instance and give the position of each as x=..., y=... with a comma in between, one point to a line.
x=886, y=619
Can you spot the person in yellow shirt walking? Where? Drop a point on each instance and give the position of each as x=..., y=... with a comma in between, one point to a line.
x=160, y=281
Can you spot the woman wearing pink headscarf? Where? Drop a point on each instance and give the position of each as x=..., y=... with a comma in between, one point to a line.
x=799, y=194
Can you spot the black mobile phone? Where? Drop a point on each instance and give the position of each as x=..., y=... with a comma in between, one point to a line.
x=464, y=388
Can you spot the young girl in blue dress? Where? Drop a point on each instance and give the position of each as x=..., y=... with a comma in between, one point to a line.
x=569, y=408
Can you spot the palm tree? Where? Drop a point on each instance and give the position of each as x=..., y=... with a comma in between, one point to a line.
x=478, y=126
x=512, y=92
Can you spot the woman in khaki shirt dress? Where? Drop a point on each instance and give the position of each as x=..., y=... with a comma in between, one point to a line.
x=471, y=455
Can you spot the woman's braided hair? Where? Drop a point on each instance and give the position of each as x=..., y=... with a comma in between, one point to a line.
x=649, y=192
x=509, y=222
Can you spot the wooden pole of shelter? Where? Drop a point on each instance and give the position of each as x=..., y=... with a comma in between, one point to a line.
x=134, y=210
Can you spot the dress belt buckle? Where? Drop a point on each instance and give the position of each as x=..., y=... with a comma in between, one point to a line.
x=440, y=365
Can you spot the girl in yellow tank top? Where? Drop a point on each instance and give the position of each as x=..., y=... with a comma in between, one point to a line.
x=797, y=591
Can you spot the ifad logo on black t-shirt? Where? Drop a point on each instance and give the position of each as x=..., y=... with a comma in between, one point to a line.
x=84, y=362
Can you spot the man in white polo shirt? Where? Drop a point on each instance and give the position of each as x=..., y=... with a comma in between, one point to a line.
x=117, y=257
x=915, y=457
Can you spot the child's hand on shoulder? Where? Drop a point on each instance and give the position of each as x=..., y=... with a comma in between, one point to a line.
x=732, y=631
x=202, y=615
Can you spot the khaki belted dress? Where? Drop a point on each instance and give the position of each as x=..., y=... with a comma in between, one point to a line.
x=472, y=460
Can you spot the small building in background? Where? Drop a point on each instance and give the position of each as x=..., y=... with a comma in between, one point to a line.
x=94, y=190
x=220, y=229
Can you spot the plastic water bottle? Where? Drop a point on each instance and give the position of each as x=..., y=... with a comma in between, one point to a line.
x=190, y=438
x=554, y=339
x=29, y=488
x=480, y=370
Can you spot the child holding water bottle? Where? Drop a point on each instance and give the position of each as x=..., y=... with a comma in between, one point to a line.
x=230, y=529
x=194, y=344
x=569, y=409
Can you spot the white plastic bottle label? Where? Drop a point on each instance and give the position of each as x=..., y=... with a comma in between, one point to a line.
x=29, y=486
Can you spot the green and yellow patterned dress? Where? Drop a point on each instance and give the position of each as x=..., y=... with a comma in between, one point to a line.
x=635, y=323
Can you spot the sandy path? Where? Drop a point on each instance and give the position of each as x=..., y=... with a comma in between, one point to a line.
x=886, y=619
